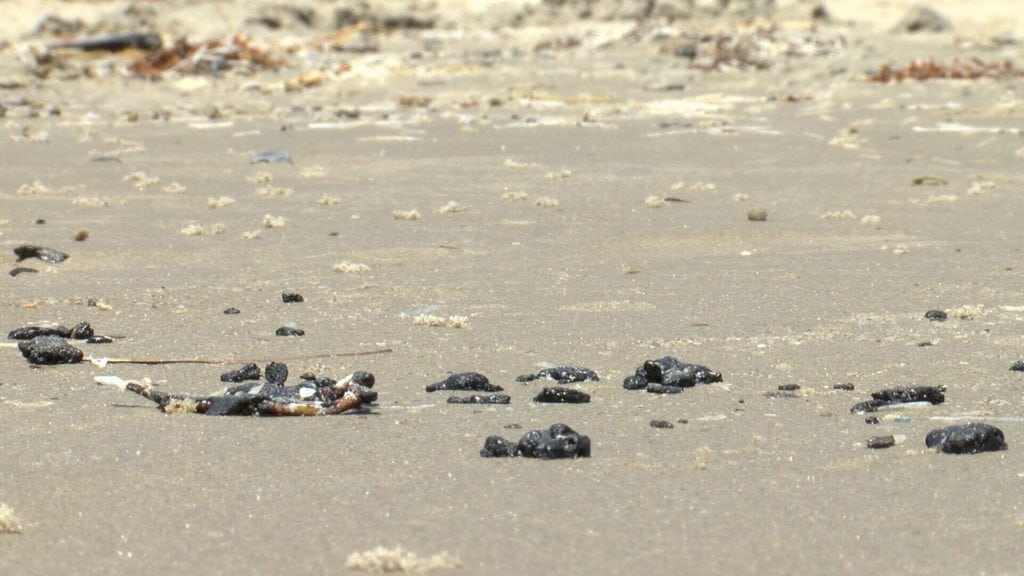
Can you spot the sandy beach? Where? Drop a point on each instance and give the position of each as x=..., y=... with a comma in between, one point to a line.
x=503, y=187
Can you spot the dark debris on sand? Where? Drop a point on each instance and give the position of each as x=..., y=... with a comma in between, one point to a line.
x=966, y=439
x=900, y=395
x=668, y=375
x=465, y=381
x=562, y=375
x=558, y=441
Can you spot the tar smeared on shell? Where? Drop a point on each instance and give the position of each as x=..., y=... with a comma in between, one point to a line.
x=562, y=375
x=560, y=395
x=80, y=331
x=900, y=395
x=480, y=399
x=26, y=251
x=669, y=373
x=289, y=331
x=936, y=315
x=49, y=350
x=558, y=441
x=966, y=439
x=465, y=381
x=247, y=372
x=314, y=398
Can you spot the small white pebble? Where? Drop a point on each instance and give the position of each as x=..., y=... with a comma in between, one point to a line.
x=654, y=202
x=514, y=196
x=559, y=174
x=327, y=200
x=173, y=188
x=980, y=188
x=252, y=234
x=546, y=202
x=349, y=267
x=406, y=214
x=274, y=221
x=274, y=191
x=219, y=202
x=839, y=215
x=451, y=208
x=740, y=197
x=871, y=219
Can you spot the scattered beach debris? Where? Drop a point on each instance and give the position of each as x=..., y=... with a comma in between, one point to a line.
x=936, y=315
x=465, y=381
x=406, y=214
x=49, y=350
x=901, y=395
x=561, y=374
x=558, y=441
x=454, y=321
x=26, y=251
x=560, y=395
x=669, y=375
x=843, y=386
x=966, y=439
x=1017, y=366
x=480, y=399
x=289, y=331
x=232, y=311
x=662, y=424
x=319, y=397
x=22, y=270
x=272, y=157
x=387, y=560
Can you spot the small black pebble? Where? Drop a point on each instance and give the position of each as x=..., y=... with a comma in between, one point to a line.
x=289, y=331
x=787, y=387
x=480, y=399
x=465, y=381
x=871, y=420
x=498, y=447
x=900, y=395
x=276, y=373
x=232, y=311
x=924, y=344
x=562, y=375
x=514, y=426
x=559, y=395
x=40, y=221
x=936, y=315
x=559, y=441
x=1018, y=366
x=966, y=439
x=22, y=270
x=247, y=372
x=661, y=424
x=292, y=297
x=844, y=386
x=881, y=442
x=683, y=421
x=91, y=303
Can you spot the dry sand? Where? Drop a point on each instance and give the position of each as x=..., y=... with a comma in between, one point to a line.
x=542, y=238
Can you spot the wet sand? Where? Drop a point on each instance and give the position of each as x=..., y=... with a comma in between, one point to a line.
x=560, y=252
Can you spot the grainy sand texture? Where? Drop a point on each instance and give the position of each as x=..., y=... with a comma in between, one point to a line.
x=776, y=191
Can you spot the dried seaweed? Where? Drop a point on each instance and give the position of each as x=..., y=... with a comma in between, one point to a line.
x=215, y=56
x=957, y=70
